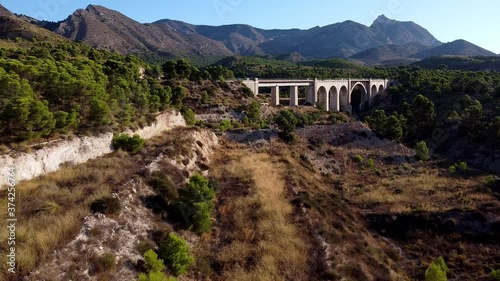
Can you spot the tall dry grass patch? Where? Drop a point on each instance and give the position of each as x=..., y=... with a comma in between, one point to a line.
x=427, y=191
x=50, y=209
x=264, y=243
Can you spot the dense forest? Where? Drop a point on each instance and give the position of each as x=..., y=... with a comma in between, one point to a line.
x=465, y=102
x=68, y=87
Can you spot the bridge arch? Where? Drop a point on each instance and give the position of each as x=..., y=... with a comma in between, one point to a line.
x=381, y=89
x=344, y=99
x=323, y=98
x=333, y=95
x=359, y=97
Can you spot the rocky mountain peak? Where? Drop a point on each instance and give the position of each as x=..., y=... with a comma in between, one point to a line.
x=4, y=12
x=382, y=19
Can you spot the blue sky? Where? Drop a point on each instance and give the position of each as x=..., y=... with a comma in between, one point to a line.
x=473, y=20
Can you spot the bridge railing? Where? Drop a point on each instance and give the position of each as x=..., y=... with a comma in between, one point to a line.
x=264, y=80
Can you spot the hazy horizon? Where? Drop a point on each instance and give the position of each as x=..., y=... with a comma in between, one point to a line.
x=447, y=20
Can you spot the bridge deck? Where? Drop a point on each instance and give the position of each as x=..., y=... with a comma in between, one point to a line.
x=274, y=81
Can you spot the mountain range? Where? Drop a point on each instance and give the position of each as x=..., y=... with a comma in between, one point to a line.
x=385, y=42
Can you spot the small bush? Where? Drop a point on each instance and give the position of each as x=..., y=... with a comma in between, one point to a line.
x=225, y=125
x=195, y=203
x=204, y=97
x=152, y=263
x=495, y=274
x=370, y=163
x=175, y=252
x=460, y=168
x=422, y=151
x=127, y=143
x=358, y=159
x=491, y=181
x=287, y=123
x=106, y=205
x=189, y=116
x=437, y=271
x=201, y=217
x=104, y=263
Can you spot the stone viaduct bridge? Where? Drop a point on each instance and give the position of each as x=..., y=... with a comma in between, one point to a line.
x=332, y=95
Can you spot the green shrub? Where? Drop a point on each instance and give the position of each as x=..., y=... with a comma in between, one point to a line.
x=306, y=119
x=195, y=202
x=422, y=151
x=152, y=263
x=458, y=168
x=437, y=271
x=104, y=263
x=106, y=205
x=370, y=163
x=253, y=115
x=358, y=159
x=127, y=143
x=189, y=116
x=490, y=181
x=454, y=117
x=204, y=97
x=225, y=125
x=178, y=95
x=287, y=123
x=164, y=186
x=495, y=274
x=201, y=217
x=175, y=252
x=389, y=126
x=452, y=169
x=197, y=190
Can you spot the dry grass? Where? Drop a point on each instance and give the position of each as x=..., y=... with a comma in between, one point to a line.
x=406, y=190
x=427, y=190
x=50, y=209
x=263, y=244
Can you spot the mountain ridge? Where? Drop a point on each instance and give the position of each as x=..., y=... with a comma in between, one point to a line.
x=383, y=41
x=12, y=26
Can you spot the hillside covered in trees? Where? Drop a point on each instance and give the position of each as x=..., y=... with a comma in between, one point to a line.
x=456, y=112
x=68, y=87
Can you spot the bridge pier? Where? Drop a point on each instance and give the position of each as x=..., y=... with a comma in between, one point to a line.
x=310, y=96
x=294, y=96
x=275, y=95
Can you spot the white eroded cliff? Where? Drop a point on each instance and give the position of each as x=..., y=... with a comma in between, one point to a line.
x=77, y=150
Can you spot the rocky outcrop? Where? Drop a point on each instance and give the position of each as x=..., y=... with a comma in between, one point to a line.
x=77, y=150
x=197, y=159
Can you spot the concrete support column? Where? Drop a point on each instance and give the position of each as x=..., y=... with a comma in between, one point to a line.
x=256, y=89
x=327, y=102
x=294, y=96
x=275, y=96
x=310, y=95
